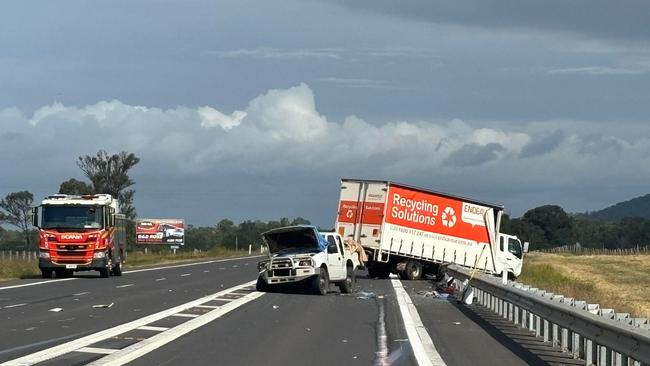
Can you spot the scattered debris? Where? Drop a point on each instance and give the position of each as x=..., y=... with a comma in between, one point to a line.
x=308, y=329
x=275, y=307
x=366, y=295
x=30, y=329
x=345, y=341
x=456, y=323
x=56, y=310
x=104, y=306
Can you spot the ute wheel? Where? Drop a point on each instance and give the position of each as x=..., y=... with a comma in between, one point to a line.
x=261, y=285
x=47, y=273
x=347, y=285
x=413, y=270
x=321, y=283
x=117, y=270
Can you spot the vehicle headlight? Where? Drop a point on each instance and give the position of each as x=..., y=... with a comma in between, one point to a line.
x=305, y=262
x=45, y=255
x=99, y=255
x=262, y=266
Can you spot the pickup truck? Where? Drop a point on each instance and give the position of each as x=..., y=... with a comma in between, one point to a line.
x=301, y=255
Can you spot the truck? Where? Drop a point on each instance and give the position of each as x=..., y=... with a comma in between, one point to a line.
x=413, y=232
x=302, y=256
x=80, y=233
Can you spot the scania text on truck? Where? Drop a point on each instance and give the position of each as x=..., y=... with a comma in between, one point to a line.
x=302, y=255
x=413, y=231
x=80, y=233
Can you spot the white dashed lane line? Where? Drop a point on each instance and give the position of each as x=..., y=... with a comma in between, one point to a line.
x=160, y=279
x=123, y=286
x=186, y=274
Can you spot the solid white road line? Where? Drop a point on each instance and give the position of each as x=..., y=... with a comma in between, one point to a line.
x=207, y=306
x=37, y=283
x=14, y=306
x=100, y=351
x=76, y=344
x=150, y=344
x=183, y=315
x=423, y=348
x=155, y=329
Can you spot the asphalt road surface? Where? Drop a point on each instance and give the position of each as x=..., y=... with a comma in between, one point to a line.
x=209, y=314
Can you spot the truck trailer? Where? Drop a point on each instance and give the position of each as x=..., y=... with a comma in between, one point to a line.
x=80, y=233
x=413, y=231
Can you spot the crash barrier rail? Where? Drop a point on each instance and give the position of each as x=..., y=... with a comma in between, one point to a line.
x=587, y=332
x=580, y=250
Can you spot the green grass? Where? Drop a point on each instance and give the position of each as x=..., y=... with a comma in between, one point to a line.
x=18, y=268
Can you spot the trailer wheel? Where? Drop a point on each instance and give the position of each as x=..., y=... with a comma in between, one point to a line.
x=413, y=270
x=347, y=285
x=47, y=273
x=321, y=283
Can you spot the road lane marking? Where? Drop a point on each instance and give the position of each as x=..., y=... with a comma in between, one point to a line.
x=86, y=341
x=186, y=274
x=100, y=351
x=155, y=329
x=423, y=348
x=81, y=293
x=123, y=286
x=183, y=315
x=150, y=344
x=37, y=283
x=160, y=279
x=208, y=306
x=14, y=306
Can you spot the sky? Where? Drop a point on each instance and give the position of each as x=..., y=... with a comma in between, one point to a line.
x=254, y=110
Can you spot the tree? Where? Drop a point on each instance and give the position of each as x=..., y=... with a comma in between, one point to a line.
x=73, y=186
x=109, y=174
x=556, y=224
x=18, y=207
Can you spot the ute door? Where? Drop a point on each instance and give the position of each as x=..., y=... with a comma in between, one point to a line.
x=334, y=259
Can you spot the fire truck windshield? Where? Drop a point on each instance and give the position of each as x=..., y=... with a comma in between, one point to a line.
x=72, y=217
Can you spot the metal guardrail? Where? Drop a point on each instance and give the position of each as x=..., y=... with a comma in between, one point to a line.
x=597, y=336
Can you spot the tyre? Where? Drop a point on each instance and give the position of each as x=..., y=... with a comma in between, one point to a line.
x=63, y=273
x=106, y=272
x=46, y=273
x=347, y=285
x=413, y=270
x=321, y=283
x=117, y=270
x=402, y=275
x=261, y=285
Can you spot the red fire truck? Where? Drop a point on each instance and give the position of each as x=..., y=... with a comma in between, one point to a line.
x=80, y=233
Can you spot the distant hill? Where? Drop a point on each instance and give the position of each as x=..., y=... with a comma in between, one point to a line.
x=636, y=207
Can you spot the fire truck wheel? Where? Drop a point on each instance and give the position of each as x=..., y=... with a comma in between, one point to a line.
x=105, y=272
x=47, y=273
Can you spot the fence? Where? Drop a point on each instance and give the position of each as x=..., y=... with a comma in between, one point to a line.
x=592, y=334
x=18, y=255
x=580, y=250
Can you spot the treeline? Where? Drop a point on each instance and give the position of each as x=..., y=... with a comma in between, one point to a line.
x=550, y=226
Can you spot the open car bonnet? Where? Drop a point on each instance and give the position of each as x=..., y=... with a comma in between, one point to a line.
x=294, y=237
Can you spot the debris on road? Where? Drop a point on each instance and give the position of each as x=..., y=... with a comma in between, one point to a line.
x=366, y=295
x=55, y=310
x=103, y=306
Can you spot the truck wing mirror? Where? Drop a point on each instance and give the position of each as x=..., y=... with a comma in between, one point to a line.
x=526, y=244
x=35, y=216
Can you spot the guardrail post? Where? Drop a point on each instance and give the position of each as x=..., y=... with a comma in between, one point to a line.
x=546, y=331
x=589, y=352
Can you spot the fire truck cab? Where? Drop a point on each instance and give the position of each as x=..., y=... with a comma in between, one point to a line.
x=80, y=233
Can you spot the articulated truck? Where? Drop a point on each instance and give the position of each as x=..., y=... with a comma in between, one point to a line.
x=80, y=233
x=414, y=232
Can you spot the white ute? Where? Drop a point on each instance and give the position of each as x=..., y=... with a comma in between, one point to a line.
x=302, y=255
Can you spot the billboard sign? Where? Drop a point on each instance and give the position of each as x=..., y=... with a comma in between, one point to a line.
x=160, y=231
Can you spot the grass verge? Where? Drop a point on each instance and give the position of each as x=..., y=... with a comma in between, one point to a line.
x=621, y=283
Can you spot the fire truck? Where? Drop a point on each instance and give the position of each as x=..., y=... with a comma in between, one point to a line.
x=80, y=233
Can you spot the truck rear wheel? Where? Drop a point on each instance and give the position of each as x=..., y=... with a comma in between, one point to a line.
x=347, y=285
x=413, y=270
x=321, y=283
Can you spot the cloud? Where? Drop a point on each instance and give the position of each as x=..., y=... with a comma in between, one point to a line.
x=280, y=54
x=542, y=144
x=599, y=71
x=623, y=20
x=197, y=157
x=358, y=83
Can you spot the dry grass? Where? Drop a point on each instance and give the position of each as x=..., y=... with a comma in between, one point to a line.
x=18, y=268
x=613, y=281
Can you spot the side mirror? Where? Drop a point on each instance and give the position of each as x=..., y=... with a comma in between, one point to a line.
x=526, y=244
x=35, y=216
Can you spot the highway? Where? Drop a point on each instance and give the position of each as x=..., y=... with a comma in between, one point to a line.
x=209, y=314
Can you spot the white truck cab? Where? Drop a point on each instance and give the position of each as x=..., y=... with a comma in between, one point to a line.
x=302, y=255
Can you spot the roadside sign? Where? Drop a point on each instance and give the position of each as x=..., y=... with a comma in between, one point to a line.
x=160, y=231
